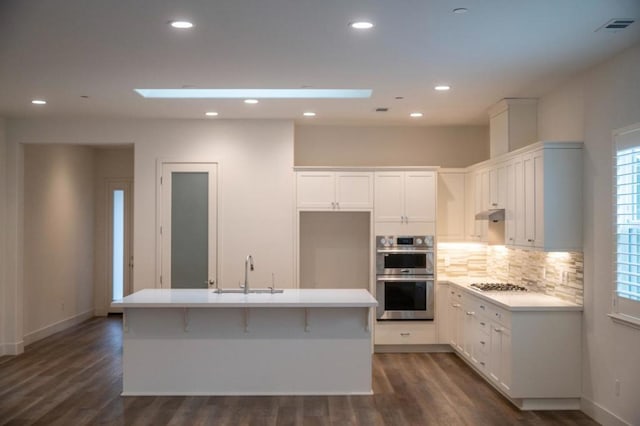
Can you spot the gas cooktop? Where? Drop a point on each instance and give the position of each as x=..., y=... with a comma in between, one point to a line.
x=498, y=287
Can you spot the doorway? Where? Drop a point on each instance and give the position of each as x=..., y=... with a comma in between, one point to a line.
x=120, y=267
x=188, y=225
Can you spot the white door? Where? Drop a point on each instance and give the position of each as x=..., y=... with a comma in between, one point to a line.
x=188, y=228
x=120, y=264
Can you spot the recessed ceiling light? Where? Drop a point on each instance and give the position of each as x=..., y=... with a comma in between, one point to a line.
x=255, y=93
x=442, y=88
x=38, y=102
x=416, y=114
x=182, y=25
x=250, y=101
x=309, y=114
x=361, y=25
x=460, y=10
x=211, y=114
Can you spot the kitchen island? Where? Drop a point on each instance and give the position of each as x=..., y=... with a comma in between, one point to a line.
x=199, y=342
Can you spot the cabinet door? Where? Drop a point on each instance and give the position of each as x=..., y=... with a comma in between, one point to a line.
x=528, y=165
x=315, y=190
x=420, y=196
x=451, y=212
x=520, y=205
x=389, y=196
x=510, y=205
x=538, y=179
x=505, y=359
x=501, y=186
x=470, y=207
x=354, y=190
x=481, y=183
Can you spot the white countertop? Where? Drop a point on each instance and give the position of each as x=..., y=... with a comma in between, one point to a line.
x=514, y=301
x=205, y=298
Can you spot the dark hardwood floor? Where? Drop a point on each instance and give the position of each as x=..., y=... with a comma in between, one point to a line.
x=75, y=378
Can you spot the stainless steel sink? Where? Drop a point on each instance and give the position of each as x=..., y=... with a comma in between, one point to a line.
x=252, y=291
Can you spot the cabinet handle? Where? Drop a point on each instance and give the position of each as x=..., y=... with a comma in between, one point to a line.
x=470, y=313
x=333, y=204
x=482, y=342
x=337, y=204
x=482, y=307
x=482, y=324
x=497, y=330
x=456, y=305
x=459, y=295
x=482, y=363
x=494, y=204
x=530, y=240
x=405, y=334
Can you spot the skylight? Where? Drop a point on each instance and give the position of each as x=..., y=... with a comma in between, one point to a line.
x=254, y=93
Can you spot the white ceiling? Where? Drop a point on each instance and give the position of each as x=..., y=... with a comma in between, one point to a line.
x=62, y=50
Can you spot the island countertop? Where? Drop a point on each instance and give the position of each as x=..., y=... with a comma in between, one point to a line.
x=207, y=298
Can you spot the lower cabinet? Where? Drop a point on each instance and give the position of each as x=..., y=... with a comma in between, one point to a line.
x=405, y=333
x=533, y=356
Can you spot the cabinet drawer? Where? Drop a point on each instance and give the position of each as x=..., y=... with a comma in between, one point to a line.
x=499, y=315
x=404, y=333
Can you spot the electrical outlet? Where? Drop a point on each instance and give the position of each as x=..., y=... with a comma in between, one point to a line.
x=617, y=387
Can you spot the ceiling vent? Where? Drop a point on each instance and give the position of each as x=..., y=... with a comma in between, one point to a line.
x=615, y=25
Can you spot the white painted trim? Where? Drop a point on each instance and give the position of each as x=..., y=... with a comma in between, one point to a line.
x=311, y=393
x=430, y=348
x=600, y=414
x=12, y=348
x=625, y=320
x=57, y=327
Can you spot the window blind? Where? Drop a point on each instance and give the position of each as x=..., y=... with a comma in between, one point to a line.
x=627, y=222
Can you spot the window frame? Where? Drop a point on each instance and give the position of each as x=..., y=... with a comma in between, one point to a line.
x=624, y=310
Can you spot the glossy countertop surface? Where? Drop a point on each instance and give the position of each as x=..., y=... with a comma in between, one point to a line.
x=206, y=298
x=513, y=301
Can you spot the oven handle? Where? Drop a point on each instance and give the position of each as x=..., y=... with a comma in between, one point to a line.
x=406, y=278
x=407, y=251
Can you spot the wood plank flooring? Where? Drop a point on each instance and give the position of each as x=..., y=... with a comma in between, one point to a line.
x=75, y=378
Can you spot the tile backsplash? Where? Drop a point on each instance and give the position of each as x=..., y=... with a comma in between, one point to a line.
x=558, y=274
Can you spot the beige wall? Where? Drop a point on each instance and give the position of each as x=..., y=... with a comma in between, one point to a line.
x=58, y=236
x=110, y=164
x=391, y=146
x=334, y=249
x=256, y=184
x=611, y=94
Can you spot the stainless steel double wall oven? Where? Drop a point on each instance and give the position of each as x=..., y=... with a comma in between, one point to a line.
x=405, y=277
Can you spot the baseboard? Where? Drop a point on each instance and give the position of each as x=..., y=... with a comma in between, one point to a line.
x=57, y=326
x=411, y=348
x=600, y=414
x=12, y=348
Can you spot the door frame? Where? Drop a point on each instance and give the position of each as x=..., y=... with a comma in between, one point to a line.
x=125, y=184
x=160, y=163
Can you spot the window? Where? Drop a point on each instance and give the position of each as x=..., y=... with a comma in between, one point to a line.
x=627, y=224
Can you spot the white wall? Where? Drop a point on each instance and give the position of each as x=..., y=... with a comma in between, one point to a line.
x=611, y=94
x=58, y=238
x=453, y=146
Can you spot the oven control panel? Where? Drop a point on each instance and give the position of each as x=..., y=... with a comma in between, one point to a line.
x=394, y=241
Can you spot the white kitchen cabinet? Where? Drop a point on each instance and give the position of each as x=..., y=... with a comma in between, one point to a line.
x=334, y=190
x=498, y=186
x=547, y=193
x=531, y=356
x=405, y=196
x=451, y=205
x=405, y=333
x=510, y=204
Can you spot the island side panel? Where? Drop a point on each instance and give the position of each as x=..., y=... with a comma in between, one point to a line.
x=254, y=351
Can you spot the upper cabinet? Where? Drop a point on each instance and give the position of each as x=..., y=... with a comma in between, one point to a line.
x=334, y=190
x=512, y=125
x=405, y=196
x=548, y=198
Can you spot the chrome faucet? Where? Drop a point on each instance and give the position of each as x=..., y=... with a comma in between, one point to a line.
x=247, y=263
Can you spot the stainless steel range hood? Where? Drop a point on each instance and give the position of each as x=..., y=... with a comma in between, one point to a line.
x=494, y=215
